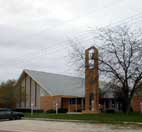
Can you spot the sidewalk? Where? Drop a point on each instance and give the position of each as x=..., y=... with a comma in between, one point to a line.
x=82, y=121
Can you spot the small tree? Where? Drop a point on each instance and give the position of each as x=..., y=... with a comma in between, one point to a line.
x=8, y=93
x=120, y=58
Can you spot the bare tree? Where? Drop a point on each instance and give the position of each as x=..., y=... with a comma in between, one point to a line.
x=77, y=56
x=120, y=58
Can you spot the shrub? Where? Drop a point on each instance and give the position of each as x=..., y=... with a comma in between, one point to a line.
x=62, y=110
x=51, y=111
x=79, y=110
x=110, y=111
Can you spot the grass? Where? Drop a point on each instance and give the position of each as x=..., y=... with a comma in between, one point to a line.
x=99, y=118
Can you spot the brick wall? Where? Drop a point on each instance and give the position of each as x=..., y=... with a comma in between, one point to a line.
x=136, y=103
x=49, y=102
x=11, y=106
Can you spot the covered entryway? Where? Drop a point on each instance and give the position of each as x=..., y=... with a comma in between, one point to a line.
x=73, y=104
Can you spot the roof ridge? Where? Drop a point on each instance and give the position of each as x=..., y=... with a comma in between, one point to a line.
x=54, y=73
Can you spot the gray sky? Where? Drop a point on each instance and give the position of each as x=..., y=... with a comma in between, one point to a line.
x=34, y=33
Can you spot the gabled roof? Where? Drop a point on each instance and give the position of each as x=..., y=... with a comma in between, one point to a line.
x=56, y=84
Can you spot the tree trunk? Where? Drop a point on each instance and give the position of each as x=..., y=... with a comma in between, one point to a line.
x=126, y=105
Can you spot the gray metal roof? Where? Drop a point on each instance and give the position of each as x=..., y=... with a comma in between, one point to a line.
x=56, y=84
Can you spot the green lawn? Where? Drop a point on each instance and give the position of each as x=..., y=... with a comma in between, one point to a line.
x=100, y=118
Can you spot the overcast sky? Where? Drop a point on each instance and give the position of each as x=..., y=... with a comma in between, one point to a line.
x=34, y=33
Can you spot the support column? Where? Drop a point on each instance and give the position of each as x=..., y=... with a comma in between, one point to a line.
x=82, y=104
x=110, y=104
x=76, y=104
x=68, y=105
x=104, y=105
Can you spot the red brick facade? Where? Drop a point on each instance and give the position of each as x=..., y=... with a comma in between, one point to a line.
x=13, y=106
x=72, y=107
x=136, y=104
x=49, y=103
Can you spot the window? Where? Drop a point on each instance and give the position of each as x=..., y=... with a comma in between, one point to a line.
x=74, y=100
x=79, y=101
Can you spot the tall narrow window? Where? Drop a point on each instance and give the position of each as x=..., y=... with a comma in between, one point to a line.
x=20, y=95
x=25, y=91
x=30, y=91
x=35, y=94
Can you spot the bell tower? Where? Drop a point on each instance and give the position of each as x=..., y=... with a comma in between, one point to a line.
x=91, y=81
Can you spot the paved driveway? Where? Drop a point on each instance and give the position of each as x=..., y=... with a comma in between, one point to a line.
x=52, y=126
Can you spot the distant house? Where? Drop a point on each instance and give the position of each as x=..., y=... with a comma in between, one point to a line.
x=113, y=100
x=137, y=99
x=48, y=91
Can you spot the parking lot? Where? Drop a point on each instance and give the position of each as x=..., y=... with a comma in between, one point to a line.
x=52, y=126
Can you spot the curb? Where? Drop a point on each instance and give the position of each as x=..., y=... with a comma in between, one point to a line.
x=82, y=121
x=47, y=119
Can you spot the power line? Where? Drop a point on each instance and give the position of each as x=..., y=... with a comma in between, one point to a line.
x=126, y=20
x=57, y=48
x=79, y=17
